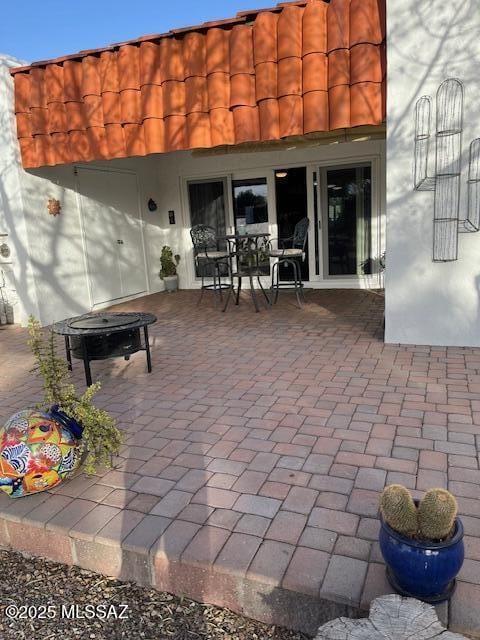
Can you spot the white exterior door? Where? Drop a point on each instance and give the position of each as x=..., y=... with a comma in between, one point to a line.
x=113, y=234
x=123, y=188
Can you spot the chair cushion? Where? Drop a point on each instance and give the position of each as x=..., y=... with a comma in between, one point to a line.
x=290, y=253
x=212, y=255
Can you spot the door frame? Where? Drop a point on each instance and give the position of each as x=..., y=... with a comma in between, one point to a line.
x=227, y=178
x=370, y=281
x=88, y=267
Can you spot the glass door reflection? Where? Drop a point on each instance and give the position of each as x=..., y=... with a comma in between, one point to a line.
x=348, y=213
x=208, y=207
x=250, y=208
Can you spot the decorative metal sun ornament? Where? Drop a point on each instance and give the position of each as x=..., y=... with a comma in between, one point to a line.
x=54, y=207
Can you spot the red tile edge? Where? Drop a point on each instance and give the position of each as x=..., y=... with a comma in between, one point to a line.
x=215, y=86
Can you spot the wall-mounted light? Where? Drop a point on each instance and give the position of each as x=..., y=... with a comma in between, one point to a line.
x=152, y=205
x=54, y=207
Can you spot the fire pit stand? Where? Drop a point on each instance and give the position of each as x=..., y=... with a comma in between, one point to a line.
x=98, y=336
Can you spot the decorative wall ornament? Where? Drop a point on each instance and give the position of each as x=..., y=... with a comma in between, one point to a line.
x=472, y=222
x=54, y=207
x=4, y=250
x=446, y=179
x=152, y=205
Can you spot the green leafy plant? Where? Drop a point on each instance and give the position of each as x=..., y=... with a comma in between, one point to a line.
x=101, y=438
x=433, y=519
x=168, y=263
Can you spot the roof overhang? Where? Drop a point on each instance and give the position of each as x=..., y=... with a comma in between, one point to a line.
x=297, y=69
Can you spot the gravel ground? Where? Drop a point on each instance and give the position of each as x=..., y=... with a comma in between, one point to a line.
x=38, y=600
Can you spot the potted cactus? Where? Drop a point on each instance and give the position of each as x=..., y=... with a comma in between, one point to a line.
x=421, y=542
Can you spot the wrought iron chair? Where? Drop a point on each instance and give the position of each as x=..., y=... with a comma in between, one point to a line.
x=252, y=261
x=290, y=252
x=208, y=256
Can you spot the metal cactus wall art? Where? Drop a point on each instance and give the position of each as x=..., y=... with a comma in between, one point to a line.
x=446, y=145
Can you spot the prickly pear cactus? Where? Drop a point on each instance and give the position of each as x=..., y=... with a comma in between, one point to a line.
x=436, y=514
x=398, y=509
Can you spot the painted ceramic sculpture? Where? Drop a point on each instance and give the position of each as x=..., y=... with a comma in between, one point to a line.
x=37, y=451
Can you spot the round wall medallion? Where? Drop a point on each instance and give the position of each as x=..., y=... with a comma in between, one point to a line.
x=4, y=250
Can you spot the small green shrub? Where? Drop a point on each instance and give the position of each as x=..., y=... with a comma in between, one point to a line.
x=168, y=263
x=101, y=438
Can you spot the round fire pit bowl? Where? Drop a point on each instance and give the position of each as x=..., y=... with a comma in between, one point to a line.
x=98, y=336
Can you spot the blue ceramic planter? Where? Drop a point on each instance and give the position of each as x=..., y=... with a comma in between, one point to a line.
x=423, y=570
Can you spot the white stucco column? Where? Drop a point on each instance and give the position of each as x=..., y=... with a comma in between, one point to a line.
x=426, y=302
x=21, y=289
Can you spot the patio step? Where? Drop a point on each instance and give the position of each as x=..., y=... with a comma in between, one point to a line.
x=26, y=526
x=162, y=567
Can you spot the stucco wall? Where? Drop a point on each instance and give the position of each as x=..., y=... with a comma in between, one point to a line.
x=426, y=302
x=57, y=244
x=21, y=290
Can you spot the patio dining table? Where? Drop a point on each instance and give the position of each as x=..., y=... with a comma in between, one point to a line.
x=248, y=249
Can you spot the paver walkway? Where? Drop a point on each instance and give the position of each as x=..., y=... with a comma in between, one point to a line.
x=255, y=453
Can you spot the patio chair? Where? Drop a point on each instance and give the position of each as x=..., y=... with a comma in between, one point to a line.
x=290, y=252
x=208, y=256
x=252, y=261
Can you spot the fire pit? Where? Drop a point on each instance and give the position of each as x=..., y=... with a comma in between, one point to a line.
x=98, y=336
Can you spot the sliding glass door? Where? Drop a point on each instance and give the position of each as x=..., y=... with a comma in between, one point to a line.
x=207, y=202
x=291, y=199
x=347, y=221
x=250, y=205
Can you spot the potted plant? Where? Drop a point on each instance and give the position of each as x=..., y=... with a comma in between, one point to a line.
x=168, y=271
x=42, y=447
x=421, y=542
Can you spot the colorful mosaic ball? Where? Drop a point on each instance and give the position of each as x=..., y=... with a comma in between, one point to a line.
x=37, y=451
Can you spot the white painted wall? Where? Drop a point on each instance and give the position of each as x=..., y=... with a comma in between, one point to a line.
x=58, y=243
x=21, y=289
x=426, y=302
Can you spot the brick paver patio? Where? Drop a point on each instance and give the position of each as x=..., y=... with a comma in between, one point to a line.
x=255, y=453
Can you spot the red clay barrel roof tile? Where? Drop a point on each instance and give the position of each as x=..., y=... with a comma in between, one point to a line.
x=297, y=68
